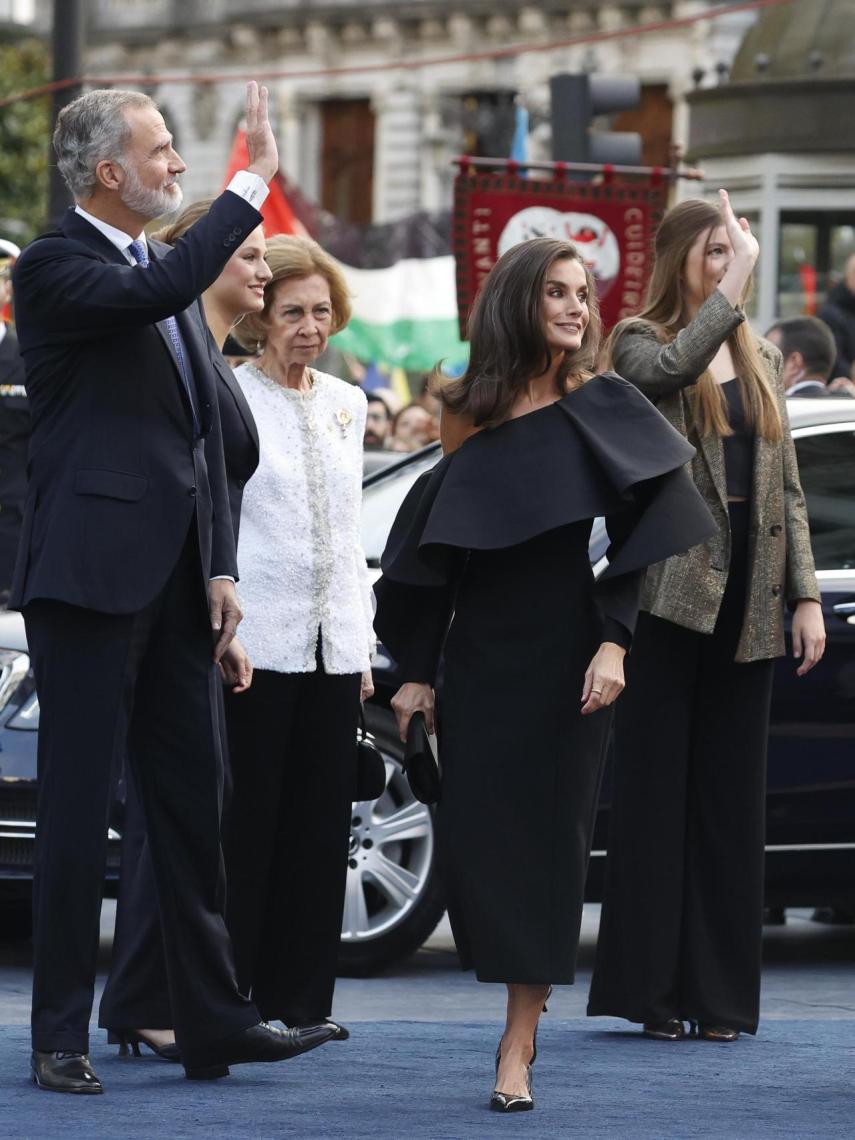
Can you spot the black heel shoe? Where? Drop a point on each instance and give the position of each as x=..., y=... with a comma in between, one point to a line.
x=509, y=1102
x=546, y=999
x=129, y=1041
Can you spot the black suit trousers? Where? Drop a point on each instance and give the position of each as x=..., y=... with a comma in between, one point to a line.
x=140, y=684
x=287, y=832
x=136, y=993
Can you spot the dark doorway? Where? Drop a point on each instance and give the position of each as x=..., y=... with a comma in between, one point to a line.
x=347, y=159
x=652, y=119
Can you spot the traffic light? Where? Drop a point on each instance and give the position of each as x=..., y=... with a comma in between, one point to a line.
x=488, y=119
x=576, y=100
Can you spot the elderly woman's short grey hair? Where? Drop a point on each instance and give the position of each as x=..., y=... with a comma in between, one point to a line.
x=93, y=129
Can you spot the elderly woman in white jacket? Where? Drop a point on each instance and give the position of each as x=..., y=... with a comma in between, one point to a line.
x=307, y=629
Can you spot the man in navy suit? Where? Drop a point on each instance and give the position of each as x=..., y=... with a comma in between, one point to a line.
x=809, y=351
x=126, y=571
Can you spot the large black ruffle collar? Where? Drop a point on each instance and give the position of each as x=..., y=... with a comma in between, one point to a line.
x=591, y=453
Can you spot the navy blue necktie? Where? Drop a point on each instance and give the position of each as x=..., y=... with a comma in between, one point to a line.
x=139, y=253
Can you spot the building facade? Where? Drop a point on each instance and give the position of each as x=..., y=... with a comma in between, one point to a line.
x=372, y=100
x=780, y=134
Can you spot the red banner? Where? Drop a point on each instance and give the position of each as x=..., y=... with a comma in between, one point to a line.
x=612, y=223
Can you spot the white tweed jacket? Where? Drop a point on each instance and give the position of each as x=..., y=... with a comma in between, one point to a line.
x=301, y=563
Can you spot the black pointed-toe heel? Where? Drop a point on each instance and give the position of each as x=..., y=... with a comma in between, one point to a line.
x=129, y=1041
x=512, y=1102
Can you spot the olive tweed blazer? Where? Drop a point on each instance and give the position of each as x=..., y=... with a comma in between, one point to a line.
x=687, y=589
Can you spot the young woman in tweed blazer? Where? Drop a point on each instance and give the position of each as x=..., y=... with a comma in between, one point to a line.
x=680, y=936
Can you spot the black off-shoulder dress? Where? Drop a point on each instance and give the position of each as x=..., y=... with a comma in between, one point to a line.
x=497, y=536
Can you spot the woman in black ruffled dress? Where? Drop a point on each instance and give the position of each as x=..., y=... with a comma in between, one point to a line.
x=497, y=535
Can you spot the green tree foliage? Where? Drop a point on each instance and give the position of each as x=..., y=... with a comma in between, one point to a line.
x=24, y=140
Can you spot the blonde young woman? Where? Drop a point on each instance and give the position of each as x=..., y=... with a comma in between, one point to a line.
x=680, y=936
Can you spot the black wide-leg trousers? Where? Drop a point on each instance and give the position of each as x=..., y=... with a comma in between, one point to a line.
x=680, y=932
x=140, y=684
x=292, y=743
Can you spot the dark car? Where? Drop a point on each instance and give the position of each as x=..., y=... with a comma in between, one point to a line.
x=393, y=896
x=810, y=834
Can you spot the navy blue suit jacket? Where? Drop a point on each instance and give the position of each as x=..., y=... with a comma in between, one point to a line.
x=115, y=475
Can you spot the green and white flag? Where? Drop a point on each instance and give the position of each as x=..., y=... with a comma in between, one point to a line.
x=404, y=315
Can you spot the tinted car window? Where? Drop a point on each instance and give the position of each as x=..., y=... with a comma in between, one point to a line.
x=827, y=470
x=380, y=502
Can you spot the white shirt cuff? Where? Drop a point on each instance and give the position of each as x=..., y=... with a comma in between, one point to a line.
x=222, y=578
x=251, y=187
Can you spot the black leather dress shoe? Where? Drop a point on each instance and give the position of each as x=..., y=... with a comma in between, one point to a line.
x=717, y=1033
x=64, y=1072
x=670, y=1030
x=340, y=1032
x=260, y=1042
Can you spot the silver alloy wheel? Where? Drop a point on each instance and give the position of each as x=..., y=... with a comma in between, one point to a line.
x=391, y=852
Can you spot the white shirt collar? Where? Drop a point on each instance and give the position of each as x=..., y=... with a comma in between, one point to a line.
x=2, y=331
x=807, y=383
x=119, y=238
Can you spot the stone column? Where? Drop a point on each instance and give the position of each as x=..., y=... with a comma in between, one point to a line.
x=397, y=153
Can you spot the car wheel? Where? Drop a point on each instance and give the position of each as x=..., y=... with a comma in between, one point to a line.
x=393, y=899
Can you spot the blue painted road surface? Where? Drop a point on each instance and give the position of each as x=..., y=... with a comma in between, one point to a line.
x=432, y=1079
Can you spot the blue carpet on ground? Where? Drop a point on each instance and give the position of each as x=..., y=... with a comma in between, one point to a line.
x=409, y=1080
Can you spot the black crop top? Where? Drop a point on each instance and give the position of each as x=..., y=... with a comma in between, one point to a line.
x=739, y=447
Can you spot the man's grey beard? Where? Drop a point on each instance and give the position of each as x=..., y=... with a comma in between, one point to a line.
x=149, y=203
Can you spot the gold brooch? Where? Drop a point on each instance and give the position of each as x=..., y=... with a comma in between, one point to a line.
x=344, y=419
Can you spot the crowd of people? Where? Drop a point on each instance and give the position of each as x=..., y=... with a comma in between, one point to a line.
x=394, y=426
x=157, y=485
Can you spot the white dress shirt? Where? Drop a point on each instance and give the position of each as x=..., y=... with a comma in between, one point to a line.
x=800, y=385
x=251, y=187
x=300, y=556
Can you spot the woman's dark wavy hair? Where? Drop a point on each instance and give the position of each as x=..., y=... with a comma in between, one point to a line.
x=507, y=343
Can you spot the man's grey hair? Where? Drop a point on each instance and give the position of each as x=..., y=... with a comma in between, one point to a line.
x=93, y=129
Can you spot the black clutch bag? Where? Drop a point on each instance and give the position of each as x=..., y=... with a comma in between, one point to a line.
x=370, y=765
x=420, y=762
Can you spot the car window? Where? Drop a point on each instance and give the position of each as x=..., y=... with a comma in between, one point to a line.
x=381, y=500
x=827, y=470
